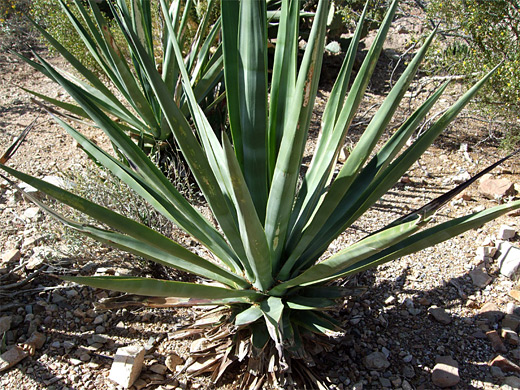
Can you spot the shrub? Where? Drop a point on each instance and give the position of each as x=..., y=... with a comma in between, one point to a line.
x=480, y=35
x=266, y=270
x=14, y=30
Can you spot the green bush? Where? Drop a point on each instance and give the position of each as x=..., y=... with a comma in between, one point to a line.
x=14, y=29
x=480, y=35
x=50, y=15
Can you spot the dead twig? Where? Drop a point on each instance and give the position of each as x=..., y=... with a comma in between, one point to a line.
x=22, y=282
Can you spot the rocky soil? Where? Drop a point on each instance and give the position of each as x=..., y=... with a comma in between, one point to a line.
x=447, y=316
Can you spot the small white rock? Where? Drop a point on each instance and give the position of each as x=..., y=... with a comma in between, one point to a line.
x=31, y=212
x=506, y=232
x=486, y=252
x=127, y=365
x=509, y=259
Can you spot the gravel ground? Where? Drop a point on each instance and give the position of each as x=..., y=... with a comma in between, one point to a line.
x=411, y=311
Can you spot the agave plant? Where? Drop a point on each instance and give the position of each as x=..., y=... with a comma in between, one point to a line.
x=134, y=104
x=273, y=223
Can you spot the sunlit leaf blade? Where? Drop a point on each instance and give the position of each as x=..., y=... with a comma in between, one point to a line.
x=350, y=255
x=252, y=83
x=251, y=231
x=315, y=178
x=331, y=139
x=371, y=183
x=142, y=241
x=431, y=237
x=353, y=165
x=283, y=186
x=163, y=288
x=338, y=222
x=173, y=206
x=284, y=76
x=272, y=309
x=216, y=181
x=230, y=16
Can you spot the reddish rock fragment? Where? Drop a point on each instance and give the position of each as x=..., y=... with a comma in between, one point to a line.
x=496, y=341
x=504, y=364
x=496, y=188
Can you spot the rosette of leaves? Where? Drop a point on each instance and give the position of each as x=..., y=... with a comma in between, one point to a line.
x=273, y=222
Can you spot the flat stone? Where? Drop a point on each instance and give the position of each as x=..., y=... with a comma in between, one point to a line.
x=496, y=188
x=11, y=255
x=491, y=312
x=376, y=361
x=40, y=255
x=333, y=47
x=11, y=357
x=172, y=361
x=97, y=338
x=511, y=321
x=509, y=336
x=504, y=364
x=461, y=177
x=31, y=241
x=440, y=315
x=37, y=340
x=480, y=278
x=508, y=259
x=127, y=365
x=512, y=381
x=140, y=384
x=445, y=375
x=506, y=232
x=158, y=368
x=496, y=341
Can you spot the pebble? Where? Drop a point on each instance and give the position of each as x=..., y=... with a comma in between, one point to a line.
x=509, y=336
x=504, y=364
x=11, y=255
x=512, y=381
x=32, y=213
x=5, y=324
x=511, y=321
x=158, y=368
x=497, y=372
x=376, y=361
x=495, y=188
x=496, y=341
x=172, y=361
x=491, y=312
x=127, y=365
x=480, y=278
x=509, y=259
x=407, y=358
x=446, y=372
x=440, y=315
x=506, y=232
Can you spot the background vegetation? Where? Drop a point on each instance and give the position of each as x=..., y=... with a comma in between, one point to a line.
x=478, y=36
